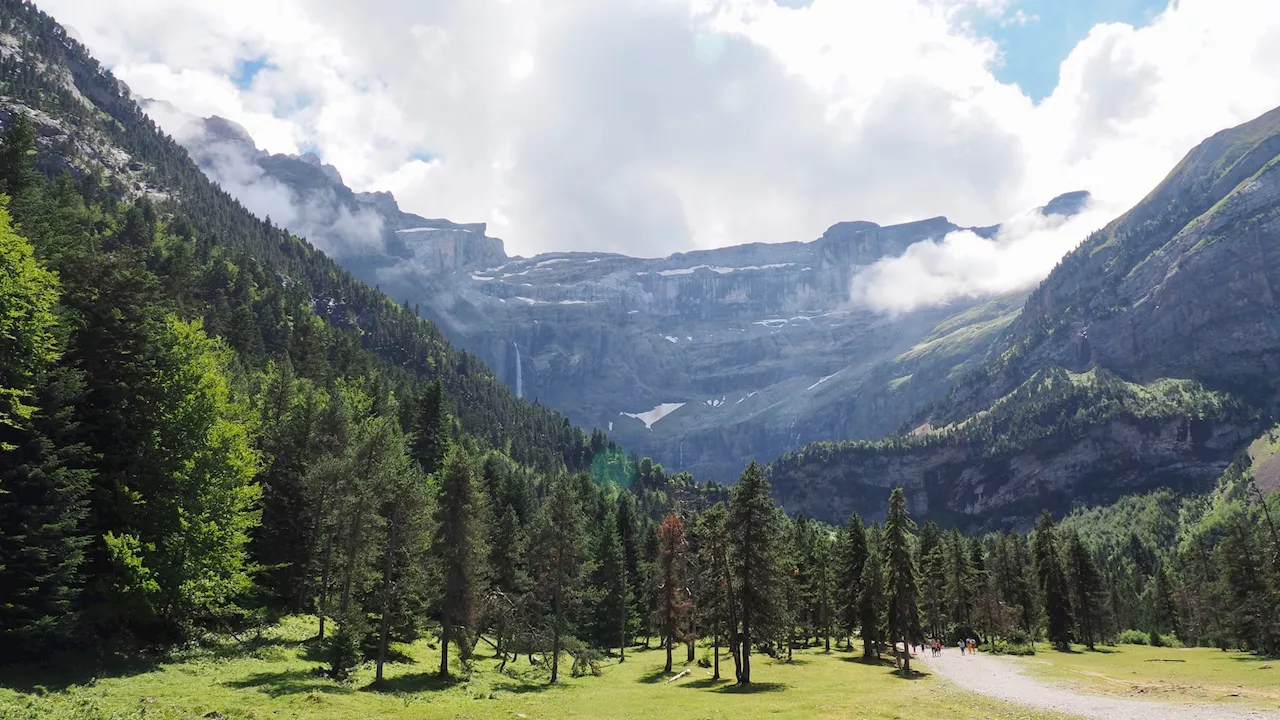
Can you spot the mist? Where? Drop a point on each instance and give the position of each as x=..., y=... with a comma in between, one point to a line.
x=963, y=265
x=319, y=215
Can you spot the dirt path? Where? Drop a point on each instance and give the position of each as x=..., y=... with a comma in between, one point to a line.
x=1002, y=678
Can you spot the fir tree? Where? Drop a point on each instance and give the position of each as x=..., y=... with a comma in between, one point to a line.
x=902, y=584
x=756, y=554
x=459, y=549
x=1053, y=581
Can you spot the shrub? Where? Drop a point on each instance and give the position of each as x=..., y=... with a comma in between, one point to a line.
x=1133, y=637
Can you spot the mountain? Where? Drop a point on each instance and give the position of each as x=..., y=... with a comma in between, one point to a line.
x=702, y=360
x=293, y=298
x=1149, y=357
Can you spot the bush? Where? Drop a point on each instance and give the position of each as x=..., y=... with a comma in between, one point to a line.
x=1133, y=637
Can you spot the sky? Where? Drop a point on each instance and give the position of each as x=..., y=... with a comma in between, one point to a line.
x=656, y=126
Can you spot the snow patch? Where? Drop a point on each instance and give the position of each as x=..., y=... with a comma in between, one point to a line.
x=715, y=402
x=669, y=338
x=748, y=397
x=822, y=381
x=774, y=323
x=481, y=278
x=531, y=301
x=720, y=269
x=552, y=261
x=430, y=229
x=575, y=302
x=654, y=415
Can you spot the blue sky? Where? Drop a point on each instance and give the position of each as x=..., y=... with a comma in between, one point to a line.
x=1033, y=50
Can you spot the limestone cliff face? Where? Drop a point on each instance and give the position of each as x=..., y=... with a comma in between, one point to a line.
x=702, y=360
x=705, y=360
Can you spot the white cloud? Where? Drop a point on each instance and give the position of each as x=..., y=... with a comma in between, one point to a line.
x=651, y=126
x=964, y=265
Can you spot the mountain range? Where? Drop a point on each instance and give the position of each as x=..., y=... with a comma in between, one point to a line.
x=701, y=360
x=1147, y=358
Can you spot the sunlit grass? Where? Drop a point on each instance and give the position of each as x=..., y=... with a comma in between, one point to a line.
x=1176, y=675
x=275, y=677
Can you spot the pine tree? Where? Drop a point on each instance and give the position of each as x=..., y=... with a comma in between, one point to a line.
x=628, y=535
x=673, y=607
x=44, y=476
x=960, y=581
x=431, y=429
x=902, y=583
x=853, y=557
x=403, y=513
x=1053, y=581
x=560, y=547
x=459, y=548
x=1087, y=590
x=608, y=608
x=934, y=592
x=871, y=602
x=716, y=602
x=756, y=553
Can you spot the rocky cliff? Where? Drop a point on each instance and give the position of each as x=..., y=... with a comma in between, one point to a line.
x=1184, y=286
x=702, y=360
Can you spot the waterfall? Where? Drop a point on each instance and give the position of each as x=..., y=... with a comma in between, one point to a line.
x=519, y=373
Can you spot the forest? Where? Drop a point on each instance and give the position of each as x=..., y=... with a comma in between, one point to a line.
x=188, y=447
x=209, y=428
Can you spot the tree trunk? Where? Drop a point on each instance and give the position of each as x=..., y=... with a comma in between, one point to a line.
x=555, y=639
x=622, y=635
x=715, y=656
x=445, y=634
x=324, y=583
x=353, y=550
x=744, y=677
x=668, y=641
x=906, y=656
x=387, y=570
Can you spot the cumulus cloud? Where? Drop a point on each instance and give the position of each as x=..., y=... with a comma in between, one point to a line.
x=651, y=126
x=965, y=265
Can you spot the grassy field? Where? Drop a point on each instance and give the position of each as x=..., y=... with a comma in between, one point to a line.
x=275, y=679
x=1175, y=675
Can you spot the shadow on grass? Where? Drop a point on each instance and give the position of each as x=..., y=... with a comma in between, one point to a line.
x=753, y=688
x=654, y=677
x=705, y=683
x=288, y=682
x=871, y=661
x=915, y=674
x=521, y=688
x=414, y=682
x=64, y=671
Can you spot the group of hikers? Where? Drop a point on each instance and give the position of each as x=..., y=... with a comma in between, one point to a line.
x=967, y=646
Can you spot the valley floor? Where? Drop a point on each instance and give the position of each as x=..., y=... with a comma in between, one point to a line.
x=273, y=678
x=1188, y=684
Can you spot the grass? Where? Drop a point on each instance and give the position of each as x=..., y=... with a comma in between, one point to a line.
x=1177, y=675
x=276, y=679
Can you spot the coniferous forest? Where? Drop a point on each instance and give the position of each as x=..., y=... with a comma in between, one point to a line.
x=206, y=426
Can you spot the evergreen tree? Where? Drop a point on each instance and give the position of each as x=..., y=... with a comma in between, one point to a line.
x=853, y=558
x=756, y=553
x=1053, y=581
x=902, y=584
x=560, y=546
x=1087, y=591
x=871, y=602
x=934, y=592
x=673, y=607
x=43, y=470
x=431, y=429
x=459, y=549
x=716, y=602
x=608, y=607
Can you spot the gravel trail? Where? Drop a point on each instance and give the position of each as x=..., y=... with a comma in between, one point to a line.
x=1002, y=678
